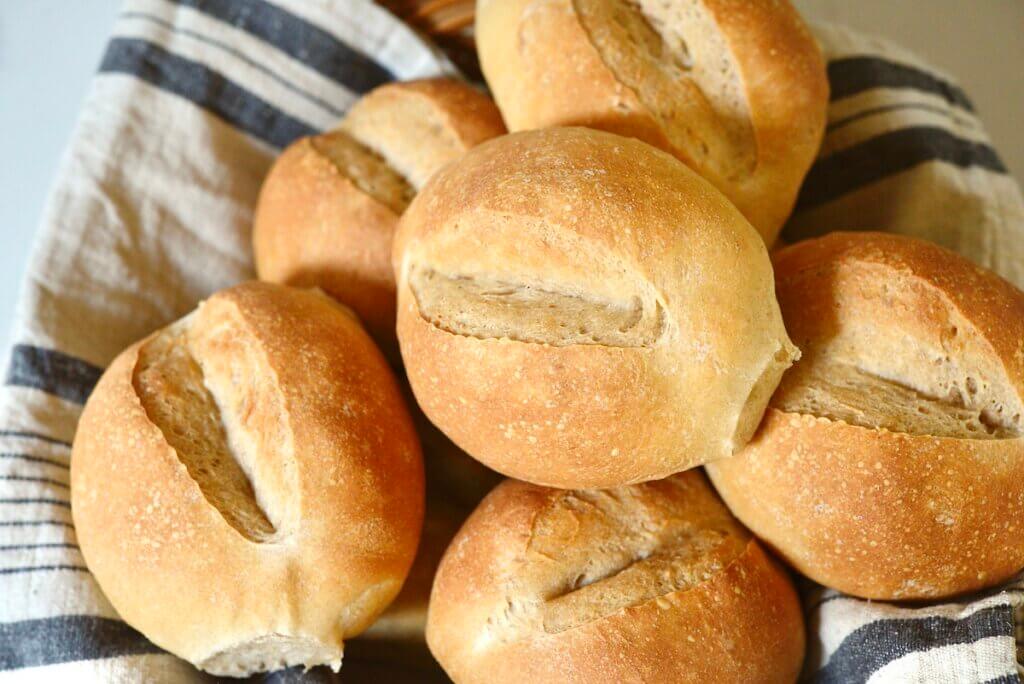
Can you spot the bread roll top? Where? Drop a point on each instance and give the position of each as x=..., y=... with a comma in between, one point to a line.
x=247, y=486
x=735, y=89
x=417, y=127
x=563, y=293
x=890, y=464
x=901, y=334
x=611, y=585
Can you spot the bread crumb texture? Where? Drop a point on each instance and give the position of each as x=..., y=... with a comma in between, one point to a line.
x=889, y=349
x=540, y=313
x=673, y=55
x=365, y=168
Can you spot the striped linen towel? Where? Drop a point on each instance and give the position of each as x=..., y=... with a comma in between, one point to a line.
x=151, y=212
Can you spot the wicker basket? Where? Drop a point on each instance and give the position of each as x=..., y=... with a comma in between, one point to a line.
x=448, y=23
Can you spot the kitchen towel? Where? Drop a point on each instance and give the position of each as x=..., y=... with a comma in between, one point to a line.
x=151, y=212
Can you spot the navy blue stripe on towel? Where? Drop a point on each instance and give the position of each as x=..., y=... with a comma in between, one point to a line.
x=22, y=434
x=28, y=501
x=32, y=643
x=43, y=568
x=886, y=155
x=239, y=55
x=878, y=643
x=852, y=75
x=204, y=87
x=303, y=41
x=53, y=372
x=32, y=458
x=1005, y=679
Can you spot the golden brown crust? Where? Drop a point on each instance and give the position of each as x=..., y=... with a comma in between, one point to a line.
x=992, y=305
x=167, y=559
x=315, y=227
x=555, y=215
x=317, y=224
x=548, y=65
x=870, y=511
x=418, y=127
x=470, y=115
x=738, y=619
x=879, y=514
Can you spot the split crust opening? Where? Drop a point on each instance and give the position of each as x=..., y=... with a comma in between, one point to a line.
x=487, y=307
x=366, y=169
x=843, y=392
x=930, y=375
x=202, y=386
x=674, y=56
x=618, y=548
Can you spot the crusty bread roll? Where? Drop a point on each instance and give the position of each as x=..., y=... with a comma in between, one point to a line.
x=328, y=209
x=654, y=582
x=735, y=88
x=891, y=463
x=247, y=487
x=578, y=309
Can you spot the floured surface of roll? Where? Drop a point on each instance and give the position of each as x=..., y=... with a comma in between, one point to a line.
x=734, y=88
x=247, y=487
x=891, y=462
x=575, y=306
x=646, y=583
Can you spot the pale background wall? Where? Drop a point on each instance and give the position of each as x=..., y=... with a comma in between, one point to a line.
x=50, y=48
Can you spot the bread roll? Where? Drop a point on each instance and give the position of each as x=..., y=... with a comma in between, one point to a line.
x=647, y=583
x=890, y=464
x=734, y=88
x=247, y=487
x=578, y=309
x=328, y=209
